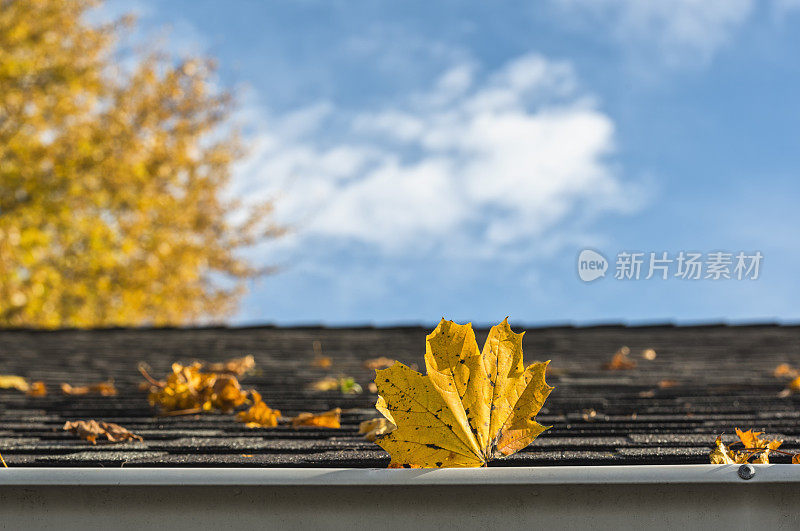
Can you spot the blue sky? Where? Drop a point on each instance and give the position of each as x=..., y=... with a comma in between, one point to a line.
x=452, y=158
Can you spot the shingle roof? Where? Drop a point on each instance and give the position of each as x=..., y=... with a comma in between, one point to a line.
x=723, y=379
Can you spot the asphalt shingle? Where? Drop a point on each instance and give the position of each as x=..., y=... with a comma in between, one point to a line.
x=720, y=377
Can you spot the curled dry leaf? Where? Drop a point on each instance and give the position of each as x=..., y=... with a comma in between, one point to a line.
x=378, y=363
x=102, y=389
x=190, y=389
x=796, y=459
x=37, y=389
x=754, y=446
x=471, y=407
x=13, y=382
x=260, y=415
x=235, y=366
x=649, y=354
x=92, y=429
x=373, y=428
x=620, y=361
x=329, y=419
x=666, y=384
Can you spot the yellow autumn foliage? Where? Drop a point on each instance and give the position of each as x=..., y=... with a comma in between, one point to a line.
x=756, y=449
x=471, y=407
x=112, y=178
x=187, y=388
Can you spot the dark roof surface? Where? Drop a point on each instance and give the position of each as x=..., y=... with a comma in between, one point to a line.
x=723, y=379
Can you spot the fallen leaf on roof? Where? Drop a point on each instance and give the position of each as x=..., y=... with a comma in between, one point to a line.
x=3, y=461
x=14, y=382
x=620, y=361
x=373, y=428
x=666, y=384
x=90, y=430
x=329, y=419
x=372, y=388
x=260, y=415
x=37, y=389
x=754, y=447
x=235, y=366
x=792, y=388
x=188, y=388
x=796, y=459
x=784, y=370
x=102, y=389
x=323, y=362
x=649, y=354
x=470, y=407
x=378, y=363
x=344, y=384
x=328, y=383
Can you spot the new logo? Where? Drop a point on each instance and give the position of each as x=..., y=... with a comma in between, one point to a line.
x=591, y=265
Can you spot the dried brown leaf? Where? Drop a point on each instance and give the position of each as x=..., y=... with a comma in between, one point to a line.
x=102, y=389
x=620, y=361
x=378, y=363
x=235, y=366
x=90, y=430
x=329, y=419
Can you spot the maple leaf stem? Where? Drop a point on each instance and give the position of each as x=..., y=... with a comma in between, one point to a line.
x=3, y=461
x=143, y=369
x=757, y=450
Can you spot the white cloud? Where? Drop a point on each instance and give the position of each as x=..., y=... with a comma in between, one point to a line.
x=679, y=31
x=476, y=164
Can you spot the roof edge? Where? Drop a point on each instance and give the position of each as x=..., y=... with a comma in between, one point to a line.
x=557, y=475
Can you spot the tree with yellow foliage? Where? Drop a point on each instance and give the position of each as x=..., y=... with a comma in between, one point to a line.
x=112, y=179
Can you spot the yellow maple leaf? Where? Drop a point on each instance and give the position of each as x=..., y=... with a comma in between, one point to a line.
x=471, y=406
x=235, y=366
x=260, y=415
x=754, y=446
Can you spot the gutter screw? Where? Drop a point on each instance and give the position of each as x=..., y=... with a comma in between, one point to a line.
x=746, y=471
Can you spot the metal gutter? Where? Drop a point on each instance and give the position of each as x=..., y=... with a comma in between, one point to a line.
x=558, y=475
